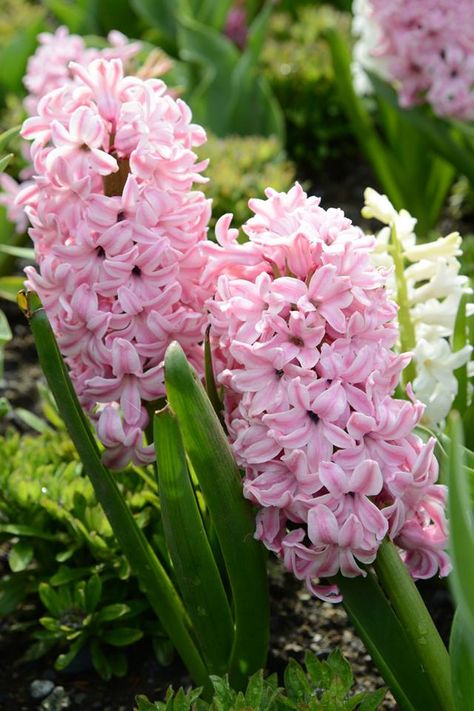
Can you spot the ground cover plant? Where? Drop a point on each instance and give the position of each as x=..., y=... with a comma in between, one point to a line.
x=293, y=385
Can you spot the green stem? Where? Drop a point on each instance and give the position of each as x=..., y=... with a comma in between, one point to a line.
x=407, y=329
x=419, y=626
x=153, y=577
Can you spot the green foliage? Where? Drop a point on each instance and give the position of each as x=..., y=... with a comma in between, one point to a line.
x=297, y=63
x=320, y=686
x=20, y=23
x=63, y=556
x=241, y=168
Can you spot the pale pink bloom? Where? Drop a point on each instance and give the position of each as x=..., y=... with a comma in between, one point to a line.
x=427, y=50
x=302, y=331
x=119, y=250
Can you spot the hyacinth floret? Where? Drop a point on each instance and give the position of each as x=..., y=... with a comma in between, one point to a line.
x=302, y=332
x=425, y=47
x=117, y=230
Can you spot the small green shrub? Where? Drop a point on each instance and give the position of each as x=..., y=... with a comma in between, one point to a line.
x=321, y=686
x=241, y=168
x=298, y=65
x=63, y=564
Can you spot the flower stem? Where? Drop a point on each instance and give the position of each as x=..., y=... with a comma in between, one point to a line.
x=407, y=329
x=414, y=616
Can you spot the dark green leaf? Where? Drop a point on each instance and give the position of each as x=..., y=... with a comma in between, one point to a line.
x=20, y=556
x=112, y=612
x=213, y=463
x=4, y=161
x=461, y=651
x=122, y=636
x=297, y=685
x=196, y=571
x=93, y=593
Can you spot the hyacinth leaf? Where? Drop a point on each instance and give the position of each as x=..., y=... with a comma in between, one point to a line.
x=437, y=133
x=423, y=637
x=459, y=341
x=216, y=58
x=386, y=640
x=209, y=452
x=461, y=522
x=9, y=287
x=381, y=159
x=196, y=571
x=158, y=587
x=461, y=653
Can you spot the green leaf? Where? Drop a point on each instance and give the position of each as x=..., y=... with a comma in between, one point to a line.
x=212, y=460
x=382, y=160
x=50, y=599
x=112, y=612
x=215, y=58
x=458, y=342
x=153, y=578
x=67, y=575
x=255, y=689
x=122, y=636
x=461, y=652
x=4, y=161
x=341, y=671
x=7, y=136
x=64, y=660
x=100, y=660
x=10, y=286
x=93, y=593
x=21, y=252
x=20, y=556
x=461, y=523
x=5, y=330
x=372, y=700
x=297, y=685
x=387, y=643
x=17, y=529
x=14, y=55
x=13, y=590
x=196, y=571
x=160, y=14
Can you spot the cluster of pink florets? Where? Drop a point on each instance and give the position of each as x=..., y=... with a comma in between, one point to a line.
x=302, y=331
x=428, y=47
x=117, y=228
x=48, y=69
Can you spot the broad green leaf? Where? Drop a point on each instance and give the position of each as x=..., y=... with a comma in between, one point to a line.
x=122, y=636
x=387, y=643
x=212, y=460
x=215, y=58
x=67, y=575
x=196, y=571
x=50, y=599
x=297, y=684
x=461, y=652
x=14, y=55
x=437, y=133
x=382, y=160
x=10, y=286
x=20, y=556
x=154, y=579
x=160, y=14
x=461, y=523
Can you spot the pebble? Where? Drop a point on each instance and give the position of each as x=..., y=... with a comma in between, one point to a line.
x=39, y=688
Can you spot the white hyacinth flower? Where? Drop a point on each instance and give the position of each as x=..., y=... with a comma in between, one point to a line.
x=434, y=288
